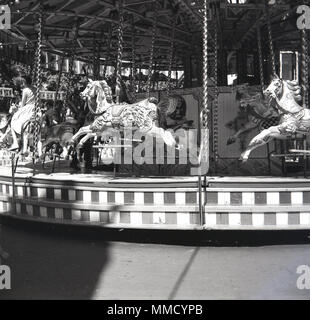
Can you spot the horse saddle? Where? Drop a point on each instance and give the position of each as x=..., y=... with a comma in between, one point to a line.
x=117, y=109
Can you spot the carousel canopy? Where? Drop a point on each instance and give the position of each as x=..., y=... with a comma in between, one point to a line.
x=92, y=25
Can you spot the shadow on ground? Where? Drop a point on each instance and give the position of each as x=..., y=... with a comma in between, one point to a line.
x=51, y=263
x=216, y=238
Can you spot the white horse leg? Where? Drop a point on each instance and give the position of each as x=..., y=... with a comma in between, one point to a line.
x=86, y=138
x=261, y=139
x=39, y=149
x=15, y=142
x=82, y=131
x=163, y=134
x=65, y=152
x=25, y=137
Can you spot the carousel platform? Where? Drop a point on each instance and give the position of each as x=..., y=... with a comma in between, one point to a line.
x=98, y=199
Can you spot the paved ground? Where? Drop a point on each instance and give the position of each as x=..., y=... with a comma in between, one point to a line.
x=67, y=263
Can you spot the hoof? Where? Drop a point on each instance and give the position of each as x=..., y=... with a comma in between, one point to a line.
x=243, y=160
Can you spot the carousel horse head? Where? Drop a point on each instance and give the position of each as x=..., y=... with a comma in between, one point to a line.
x=251, y=102
x=254, y=103
x=95, y=89
x=173, y=107
x=275, y=89
x=278, y=87
x=177, y=107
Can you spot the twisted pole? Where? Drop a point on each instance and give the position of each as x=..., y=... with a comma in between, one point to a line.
x=205, y=111
x=133, y=66
x=204, y=142
x=270, y=40
x=260, y=57
x=171, y=54
x=215, y=102
x=119, y=51
x=34, y=65
x=305, y=68
x=37, y=106
x=151, y=63
x=94, y=57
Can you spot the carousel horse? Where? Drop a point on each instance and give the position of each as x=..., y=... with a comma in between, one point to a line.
x=173, y=113
x=286, y=96
x=56, y=138
x=109, y=116
x=5, y=125
x=254, y=114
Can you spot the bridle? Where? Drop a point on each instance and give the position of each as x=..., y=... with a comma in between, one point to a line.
x=88, y=102
x=278, y=90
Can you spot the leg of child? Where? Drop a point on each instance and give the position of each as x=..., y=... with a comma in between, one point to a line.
x=14, y=145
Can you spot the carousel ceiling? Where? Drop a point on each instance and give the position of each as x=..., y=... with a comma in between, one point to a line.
x=95, y=22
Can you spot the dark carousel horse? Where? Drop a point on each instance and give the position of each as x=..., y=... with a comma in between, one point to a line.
x=254, y=113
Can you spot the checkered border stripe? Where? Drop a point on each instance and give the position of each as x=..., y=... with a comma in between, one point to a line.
x=257, y=197
x=151, y=219
x=130, y=218
x=257, y=219
x=296, y=196
x=171, y=208
x=149, y=197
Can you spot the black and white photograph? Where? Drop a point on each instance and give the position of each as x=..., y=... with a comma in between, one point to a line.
x=155, y=151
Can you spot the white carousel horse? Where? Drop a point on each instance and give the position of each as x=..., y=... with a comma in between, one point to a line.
x=109, y=116
x=293, y=118
x=255, y=113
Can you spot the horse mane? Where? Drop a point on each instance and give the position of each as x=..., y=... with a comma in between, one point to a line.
x=107, y=91
x=296, y=90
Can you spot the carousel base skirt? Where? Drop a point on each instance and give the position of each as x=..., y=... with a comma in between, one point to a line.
x=96, y=199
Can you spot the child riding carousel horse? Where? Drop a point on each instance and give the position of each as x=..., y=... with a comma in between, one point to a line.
x=26, y=110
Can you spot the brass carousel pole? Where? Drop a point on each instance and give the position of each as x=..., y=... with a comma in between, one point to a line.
x=260, y=58
x=171, y=53
x=270, y=40
x=119, y=51
x=204, y=149
x=38, y=87
x=151, y=63
x=305, y=68
x=133, y=65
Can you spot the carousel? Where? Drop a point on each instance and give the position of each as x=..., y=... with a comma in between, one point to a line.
x=183, y=115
